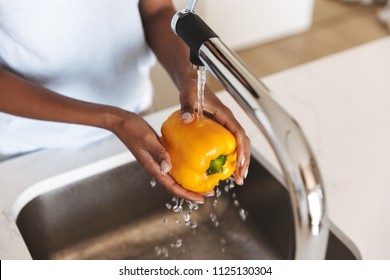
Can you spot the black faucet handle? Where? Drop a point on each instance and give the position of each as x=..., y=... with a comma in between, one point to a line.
x=195, y=61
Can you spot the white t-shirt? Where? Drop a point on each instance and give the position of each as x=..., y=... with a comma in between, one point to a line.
x=92, y=50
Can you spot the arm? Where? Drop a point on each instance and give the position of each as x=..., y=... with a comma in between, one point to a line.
x=23, y=98
x=174, y=56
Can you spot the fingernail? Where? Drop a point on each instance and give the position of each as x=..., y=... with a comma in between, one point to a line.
x=164, y=167
x=242, y=161
x=199, y=201
x=209, y=194
x=246, y=173
x=186, y=117
x=240, y=181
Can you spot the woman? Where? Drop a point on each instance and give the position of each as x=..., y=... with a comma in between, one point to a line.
x=65, y=65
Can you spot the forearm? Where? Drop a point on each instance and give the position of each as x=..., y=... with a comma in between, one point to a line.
x=172, y=53
x=25, y=99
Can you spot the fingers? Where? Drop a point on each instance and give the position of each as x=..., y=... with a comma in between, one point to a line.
x=156, y=161
x=224, y=116
x=144, y=143
x=243, y=150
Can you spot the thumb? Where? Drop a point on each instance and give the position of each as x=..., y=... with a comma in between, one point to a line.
x=187, y=111
x=187, y=114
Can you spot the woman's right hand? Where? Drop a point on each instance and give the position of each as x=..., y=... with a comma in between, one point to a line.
x=145, y=145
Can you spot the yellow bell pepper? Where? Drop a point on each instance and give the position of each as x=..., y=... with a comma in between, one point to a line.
x=202, y=152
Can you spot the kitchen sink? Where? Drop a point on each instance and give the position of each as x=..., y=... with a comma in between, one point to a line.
x=116, y=213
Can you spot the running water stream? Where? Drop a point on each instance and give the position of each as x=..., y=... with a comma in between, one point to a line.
x=201, y=85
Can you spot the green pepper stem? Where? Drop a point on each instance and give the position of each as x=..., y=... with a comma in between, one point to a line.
x=216, y=165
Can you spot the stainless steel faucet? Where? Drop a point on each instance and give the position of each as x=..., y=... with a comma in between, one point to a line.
x=301, y=173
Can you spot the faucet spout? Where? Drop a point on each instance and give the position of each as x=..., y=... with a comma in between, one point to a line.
x=301, y=172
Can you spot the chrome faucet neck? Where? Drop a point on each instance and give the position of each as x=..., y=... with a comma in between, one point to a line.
x=301, y=172
x=192, y=5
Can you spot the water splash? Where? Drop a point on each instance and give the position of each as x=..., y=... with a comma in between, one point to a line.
x=192, y=205
x=184, y=217
x=153, y=182
x=178, y=205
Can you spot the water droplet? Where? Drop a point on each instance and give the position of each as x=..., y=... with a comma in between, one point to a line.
x=178, y=206
x=195, y=206
x=193, y=225
x=243, y=214
x=231, y=185
x=165, y=220
x=223, y=250
x=187, y=218
x=214, y=219
x=223, y=241
x=192, y=205
x=178, y=243
x=215, y=203
x=168, y=205
x=157, y=250
x=153, y=182
x=236, y=203
x=226, y=188
x=218, y=192
x=164, y=252
x=234, y=195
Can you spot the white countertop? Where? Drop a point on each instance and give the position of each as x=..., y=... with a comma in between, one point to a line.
x=341, y=102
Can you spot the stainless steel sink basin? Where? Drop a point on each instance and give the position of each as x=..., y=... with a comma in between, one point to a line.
x=116, y=214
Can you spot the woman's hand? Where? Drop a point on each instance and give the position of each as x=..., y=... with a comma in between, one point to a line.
x=223, y=115
x=144, y=143
x=173, y=54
